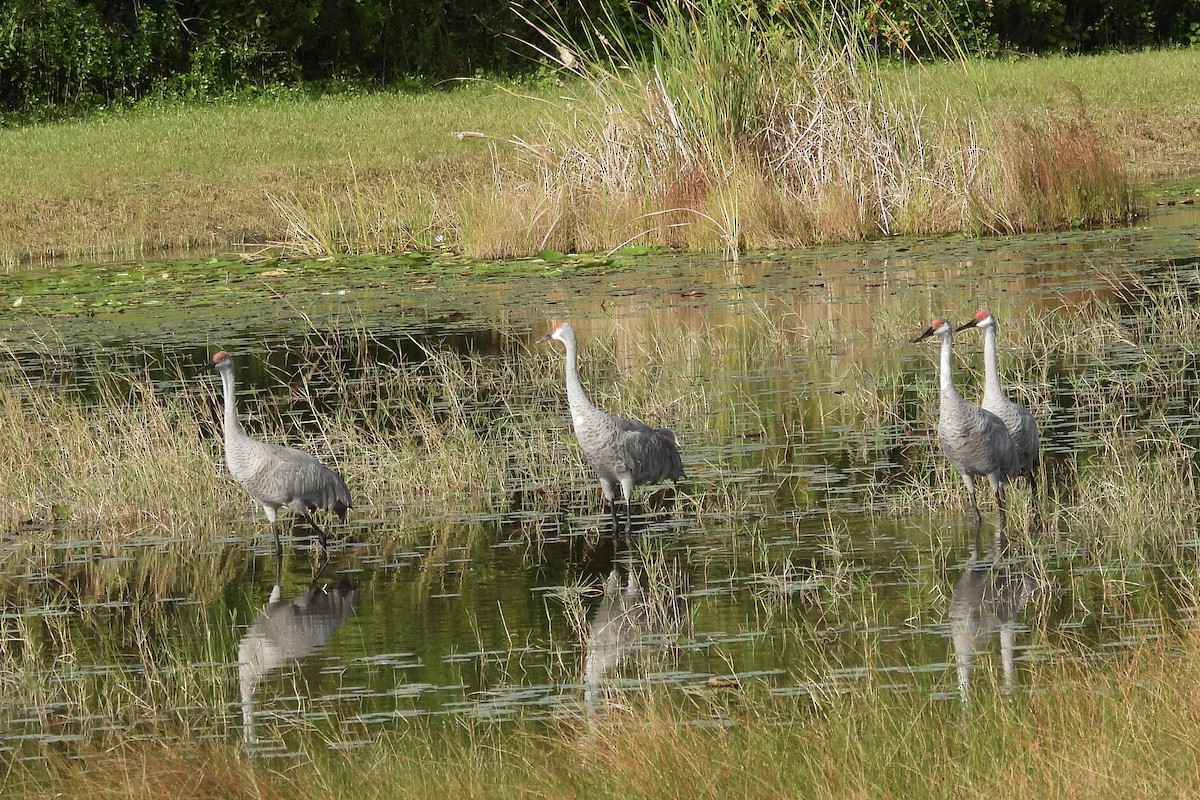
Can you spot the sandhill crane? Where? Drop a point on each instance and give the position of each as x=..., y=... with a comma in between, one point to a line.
x=1020, y=422
x=621, y=451
x=277, y=477
x=975, y=441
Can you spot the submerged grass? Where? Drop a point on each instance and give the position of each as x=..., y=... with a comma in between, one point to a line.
x=68, y=677
x=1108, y=729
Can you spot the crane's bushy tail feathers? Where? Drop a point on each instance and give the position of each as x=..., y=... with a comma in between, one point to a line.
x=651, y=455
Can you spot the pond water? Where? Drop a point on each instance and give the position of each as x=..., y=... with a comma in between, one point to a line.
x=809, y=586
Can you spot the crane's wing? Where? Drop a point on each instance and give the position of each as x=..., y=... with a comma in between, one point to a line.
x=1000, y=442
x=302, y=477
x=1028, y=441
x=1023, y=428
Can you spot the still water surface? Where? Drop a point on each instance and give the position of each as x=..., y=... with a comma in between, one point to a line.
x=810, y=587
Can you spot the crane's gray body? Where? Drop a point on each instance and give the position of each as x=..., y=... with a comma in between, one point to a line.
x=280, y=477
x=623, y=452
x=277, y=477
x=974, y=440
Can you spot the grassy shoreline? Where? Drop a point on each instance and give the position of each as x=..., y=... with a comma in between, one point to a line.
x=387, y=168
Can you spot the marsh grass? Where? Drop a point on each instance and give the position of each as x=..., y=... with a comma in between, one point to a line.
x=441, y=435
x=362, y=217
x=112, y=468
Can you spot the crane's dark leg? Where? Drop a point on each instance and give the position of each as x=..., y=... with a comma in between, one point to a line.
x=627, y=488
x=321, y=537
x=970, y=484
x=1000, y=502
x=320, y=569
x=278, y=555
x=607, y=486
x=1033, y=492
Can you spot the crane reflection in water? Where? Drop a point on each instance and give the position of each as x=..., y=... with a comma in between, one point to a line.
x=285, y=632
x=986, y=601
x=639, y=618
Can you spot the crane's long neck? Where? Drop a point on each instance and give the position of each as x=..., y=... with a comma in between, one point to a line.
x=577, y=398
x=991, y=370
x=945, y=373
x=233, y=428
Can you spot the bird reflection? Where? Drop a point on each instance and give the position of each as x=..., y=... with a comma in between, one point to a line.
x=287, y=631
x=986, y=600
x=635, y=616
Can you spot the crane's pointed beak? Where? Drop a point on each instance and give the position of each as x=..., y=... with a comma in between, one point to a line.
x=545, y=338
x=203, y=368
x=969, y=324
x=928, y=332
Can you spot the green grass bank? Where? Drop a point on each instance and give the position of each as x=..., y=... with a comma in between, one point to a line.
x=384, y=172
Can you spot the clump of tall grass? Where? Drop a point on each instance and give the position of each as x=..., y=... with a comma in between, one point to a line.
x=130, y=463
x=1138, y=491
x=360, y=217
x=735, y=130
